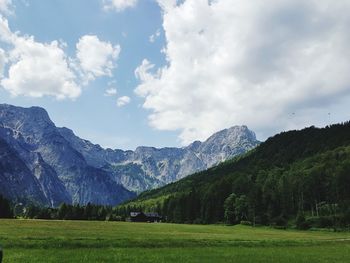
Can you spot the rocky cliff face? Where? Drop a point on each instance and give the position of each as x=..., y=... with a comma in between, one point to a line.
x=16, y=180
x=60, y=170
x=149, y=167
x=57, y=166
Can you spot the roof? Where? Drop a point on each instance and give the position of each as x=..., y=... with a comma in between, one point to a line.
x=152, y=214
x=134, y=214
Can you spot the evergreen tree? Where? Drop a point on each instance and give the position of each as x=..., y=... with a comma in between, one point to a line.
x=5, y=208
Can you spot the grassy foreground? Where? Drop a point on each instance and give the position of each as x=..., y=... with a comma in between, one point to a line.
x=87, y=241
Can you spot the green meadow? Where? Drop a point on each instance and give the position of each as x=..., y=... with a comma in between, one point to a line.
x=93, y=241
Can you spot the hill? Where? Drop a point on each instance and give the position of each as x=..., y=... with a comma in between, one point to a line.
x=305, y=173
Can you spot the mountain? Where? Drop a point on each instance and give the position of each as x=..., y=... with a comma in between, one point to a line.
x=304, y=172
x=15, y=177
x=61, y=167
x=38, y=155
x=149, y=167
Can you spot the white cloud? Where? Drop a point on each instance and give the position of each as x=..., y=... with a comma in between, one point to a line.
x=111, y=92
x=122, y=101
x=37, y=69
x=152, y=38
x=143, y=74
x=5, y=7
x=5, y=33
x=242, y=62
x=3, y=61
x=118, y=5
x=43, y=69
x=96, y=58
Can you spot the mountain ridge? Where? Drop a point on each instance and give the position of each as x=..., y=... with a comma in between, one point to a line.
x=73, y=170
x=305, y=172
x=167, y=164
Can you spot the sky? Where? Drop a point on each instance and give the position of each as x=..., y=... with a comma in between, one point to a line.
x=125, y=73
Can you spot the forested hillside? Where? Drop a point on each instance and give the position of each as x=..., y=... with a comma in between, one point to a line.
x=297, y=174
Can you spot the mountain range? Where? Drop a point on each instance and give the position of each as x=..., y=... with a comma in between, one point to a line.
x=295, y=174
x=48, y=165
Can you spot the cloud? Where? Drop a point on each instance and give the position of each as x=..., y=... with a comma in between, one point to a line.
x=3, y=61
x=142, y=73
x=243, y=62
x=122, y=101
x=111, y=92
x=152, y=38
x=118, y=5
x=96, y=58
x=5, y=7
x=38, y=69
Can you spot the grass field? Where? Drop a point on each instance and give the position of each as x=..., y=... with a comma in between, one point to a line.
x=88, y=241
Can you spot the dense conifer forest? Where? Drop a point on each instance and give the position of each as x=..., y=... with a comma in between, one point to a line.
x=297, y=177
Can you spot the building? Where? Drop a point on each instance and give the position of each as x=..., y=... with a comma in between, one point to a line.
x=154, y=217
x=145, y=217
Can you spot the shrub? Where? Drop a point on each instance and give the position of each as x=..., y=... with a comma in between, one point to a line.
x=301, y=222
x=280, y=221
x=198, y=221
x=280, y=227
x=320, y=222
x=246, y=223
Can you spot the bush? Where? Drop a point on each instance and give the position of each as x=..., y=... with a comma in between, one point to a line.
x=198, y=221
x=112, y=217
x=262, y=220
x=280, y=227
x=301, y=222
x=280, y=222
x=246, y=223
x=344, y=220
x=321, y=222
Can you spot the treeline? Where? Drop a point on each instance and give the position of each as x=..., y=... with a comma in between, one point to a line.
x=299, y=178
x=6, y=210
x=63, y=212
x=72, y=212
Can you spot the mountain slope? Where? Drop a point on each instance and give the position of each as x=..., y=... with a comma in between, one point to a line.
x=16, y=180
x=149, y=167
x=62, y=171
x=72, y=170
x=296, y=171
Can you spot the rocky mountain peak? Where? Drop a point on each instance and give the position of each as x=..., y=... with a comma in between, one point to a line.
x=227, y=143
x=32, y=121
x=64, y=167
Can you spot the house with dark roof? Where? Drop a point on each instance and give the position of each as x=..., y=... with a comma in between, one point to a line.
x=145, y=217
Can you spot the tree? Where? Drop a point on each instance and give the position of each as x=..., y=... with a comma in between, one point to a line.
x=229, y=207
x=62, y=211
x=32, y=211
x=241, y=208
x=5, y=208
x=301, y=222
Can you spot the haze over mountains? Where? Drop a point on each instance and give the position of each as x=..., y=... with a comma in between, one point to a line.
x=47, y=165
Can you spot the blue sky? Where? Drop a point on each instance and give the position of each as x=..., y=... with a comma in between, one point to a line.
x=176, y=71
x=93, y=115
